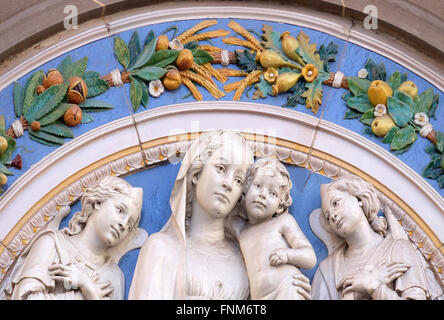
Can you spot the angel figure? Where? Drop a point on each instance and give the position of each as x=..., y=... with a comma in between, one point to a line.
x=271, y=241
x=365, y=261
x=80, y=262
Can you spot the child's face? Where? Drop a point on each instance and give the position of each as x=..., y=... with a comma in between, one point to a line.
x=263, y=196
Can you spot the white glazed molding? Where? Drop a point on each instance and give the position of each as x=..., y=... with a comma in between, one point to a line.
x=169, y=151
x=170, y=12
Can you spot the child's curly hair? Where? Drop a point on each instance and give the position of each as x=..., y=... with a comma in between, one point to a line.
x=285, y=182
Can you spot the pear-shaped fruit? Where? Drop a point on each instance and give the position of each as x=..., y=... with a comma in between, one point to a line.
x=3, y=179
x=272, y=59
x=382, y=125
x=162, y=42
x=410, y=88
x=289, y=46
x=378, y=92
x=3, y=144
x=284, y=82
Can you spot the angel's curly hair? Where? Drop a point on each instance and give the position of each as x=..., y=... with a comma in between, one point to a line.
x=103, y=190
x=366, y=193
x=285, y=181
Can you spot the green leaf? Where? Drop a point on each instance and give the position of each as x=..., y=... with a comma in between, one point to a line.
x=375, y=72
x=395, y=80
x=328, y=54
x=150, y=36
x=431, y=149
x=403, y=97
x=91, y=75
x=201, y=56
x=424, y=102
x=87, y=118
x=296, y=98
x=347, y=95
x=351, y=114
x=163, y=58
x=308, y=51
x=314, y=93
x=58, y=129
x=145, y=95
x=19, y=96
x=440, y=181
x=433, y=169
x=360, y=103
x=263, y=88
x=6, y=155
x=403, y=137
x=400, y=112
x=2, y=124
x=64, y=66
x=55, y=114
x=46, y=102
x=78, y=68
x=135, y=93
x=388, y=138
x=5, y=170
x=272, y=39
x=93, y=105
x=75, y=69
x=439, y=142
x=150, y=73
x=145, y=56
x=30, y=89
x=122, y=52
x=96, y=86
x=134, y=48
x=358, y=86
x=246, y=60
x=367, y=117
x=401, y=151
x=46, y=137
x=191, y=45
x=368, y=131
x=434, y=106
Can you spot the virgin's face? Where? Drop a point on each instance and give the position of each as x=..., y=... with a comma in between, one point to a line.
x=342, y=212
x=220, y=182
x=114, y=219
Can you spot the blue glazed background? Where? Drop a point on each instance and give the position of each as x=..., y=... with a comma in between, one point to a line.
x=350, y=59
x=156, y=208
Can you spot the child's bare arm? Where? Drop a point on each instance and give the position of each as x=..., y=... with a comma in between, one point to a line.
x=234, y=225
x=301, y=252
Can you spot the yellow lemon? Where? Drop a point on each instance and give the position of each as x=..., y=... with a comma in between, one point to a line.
x=378, y=92
x=3, y=179
x=3, y=144
x=382, y=125
x=410, y=88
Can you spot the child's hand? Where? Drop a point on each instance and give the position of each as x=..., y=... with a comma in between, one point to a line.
x=278, y=257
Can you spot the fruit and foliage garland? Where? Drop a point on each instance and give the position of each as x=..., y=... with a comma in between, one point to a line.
x=52, y=102
x=163, y=64
x=392, y=109
x=281, y=63
x=7, y=148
